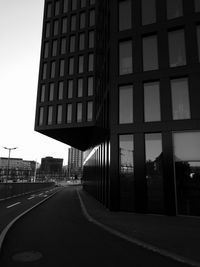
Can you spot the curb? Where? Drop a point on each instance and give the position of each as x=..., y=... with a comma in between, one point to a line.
x=135, y=241
x=7, y=228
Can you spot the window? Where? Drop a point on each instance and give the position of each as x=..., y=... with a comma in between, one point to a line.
x=125, y=57
x=81, y=41
x=154, y=172
x=180, y=99
x=80, y=64
x=57, y=8
x=148, y=12
x=198, y=40
x=54, y=48
x=41, y=115
x=69, y=113
x=72, y=43
x=73, y=23
x=89, y=110
x=150, y=53
x=80, y=88
x=125, y=15
x=55, y=27
x=59, y=114
x=91, y=39
x=91, y=62
x=151, y=102
x=60, y=90
x=92, y=2
x=63, y=46
x=82, y=20
x=42, y=93
x=79, y=112
x=83, y=3
x=47, y=30
x=197, y=5
x=177, y=55
x=70, y=89
x=92, y=18
x=51, y=91
x=74, y=4
x=65, y=6
x=90, y=85
x=126, y=104
x=174, y=9
x=48, y=10
x=46, y=49
x=71, y=66
x=64, y=25
x=44, y=71
x=62, y=67
x=53, y=69
x=50, y=115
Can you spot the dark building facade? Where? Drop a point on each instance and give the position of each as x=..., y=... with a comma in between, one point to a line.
x=121, y=80
x=75, y=162
x=51, y=166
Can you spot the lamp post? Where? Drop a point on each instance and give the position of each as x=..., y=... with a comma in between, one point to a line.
x=9, y=149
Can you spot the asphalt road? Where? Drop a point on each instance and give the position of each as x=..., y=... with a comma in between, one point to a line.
x=57, y=234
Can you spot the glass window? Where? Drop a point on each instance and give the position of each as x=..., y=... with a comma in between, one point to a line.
x=72, y=43
x=60, y=90
x=51, y=91
x=89, y=110
x=65, y=6
x=91, y=39
x=55, y=27
x=125, y=57
x=80, y=64
x=69, y=113
x=41, y=115
x=70, y=89
x=46, y=49
x=187, y=172
x=126, y=170
x=59, y=114
x=42, y=93
x=150, y=53
x=44, y=71
x=82, y=20
x=154, y=172
x=92, y=18
x=47, y=30
x=62, y=67
x=81, y=41
x=73, y=23
x=79, y=112
x=151, y=101
x=92, y=2
x=54, y=48
x=71, y=66
x=80, y=88
x=48, y=10
x=126, y=104
x=198, y=40
x=64, y=25
x=53, y=69
x=57, y=8
x=74, y=4
x=125, y=15
x=148, y=12
x=177, y=55
x=180, y=99
x=50, y=115
x=197, y=5
x=83, y=3
x=91, y=62
x=174, y=9
x=63, y=45
x=90, y=84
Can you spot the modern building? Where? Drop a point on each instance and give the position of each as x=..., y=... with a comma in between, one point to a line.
x=50, y=165
x=75, y=162
x=121, y=79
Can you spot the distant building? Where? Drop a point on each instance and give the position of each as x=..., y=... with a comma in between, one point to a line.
x=50, y=165
x=75, y=162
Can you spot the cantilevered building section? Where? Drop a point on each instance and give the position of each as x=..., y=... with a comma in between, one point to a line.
x=120, y=79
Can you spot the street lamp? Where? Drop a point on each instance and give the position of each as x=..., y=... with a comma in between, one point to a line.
x=9, y=149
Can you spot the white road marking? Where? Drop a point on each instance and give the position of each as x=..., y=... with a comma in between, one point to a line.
x=13, y=205
x=30, y=197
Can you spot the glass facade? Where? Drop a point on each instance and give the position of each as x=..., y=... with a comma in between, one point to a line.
x=60, y=90
x=82, y=41
x=70, y=89
x=72, y=43
x=59, y=114
x=150, y=53
x=80, y=64
x=89, y=110
x=174, y=9
x=71, y=66
x=50, y=115
x=41, y=115
x=42, y=93
x=91, y=62
x=80, y=88
x=197, y=5
x=90, y=86
x=79, y=114
x=148, y=12
x=51, y=91
x=69, y=113
x=125, y=57
x=126, y=104
x=198, y=40
x=125, y=15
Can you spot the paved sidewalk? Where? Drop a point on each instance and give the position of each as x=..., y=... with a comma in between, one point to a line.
x=177, y=234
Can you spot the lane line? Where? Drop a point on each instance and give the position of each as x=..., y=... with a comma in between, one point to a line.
x=13, y=205
x=136, y=241
x=30, y=197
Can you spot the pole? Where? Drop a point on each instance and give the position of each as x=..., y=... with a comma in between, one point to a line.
x=8, y=167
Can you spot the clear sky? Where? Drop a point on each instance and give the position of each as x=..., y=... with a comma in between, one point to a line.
x=20, y=41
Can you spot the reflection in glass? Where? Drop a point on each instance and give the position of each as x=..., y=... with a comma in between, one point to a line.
x=198, y=40
x=126, y=170
x=50, y=115
x=126, y=104
x=187, y=172
x=42, y=93
x=60, y=90
x=64, y=25
x=80, y=88
x=51, y=91
x=150, y=53
x=41, y=115
x=70, y=89
x=125, y=57
x=177, y=56
x=59, y=114
x=44, y=71
x=148, y=12
x=197, y=5
x=81, y=41
x=174, y=9
x=154, y=172
x=90, y=86
x=69, y=113
x=79, y=112
x=180, y=99
x=125, y=15
x=151, y=102
x=89, y=110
